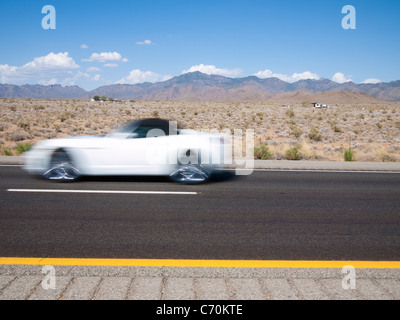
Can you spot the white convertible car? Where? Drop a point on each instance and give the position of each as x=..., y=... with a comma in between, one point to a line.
x=145, y=147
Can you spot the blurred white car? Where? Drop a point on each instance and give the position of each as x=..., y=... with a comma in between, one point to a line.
x=145, y=147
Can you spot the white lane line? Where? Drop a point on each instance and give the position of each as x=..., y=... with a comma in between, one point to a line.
x=99, y=191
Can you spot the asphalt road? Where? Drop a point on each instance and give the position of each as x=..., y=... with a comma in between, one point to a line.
x=268, y=215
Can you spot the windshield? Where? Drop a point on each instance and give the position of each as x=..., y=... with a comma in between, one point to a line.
x=141, y=128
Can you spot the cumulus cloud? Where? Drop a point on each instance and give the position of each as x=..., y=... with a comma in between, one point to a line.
x=111, y=65
x=372, y=81
x=341, y=78
x=145, y=42
x=211, y=69
x=73, y=78
x=138, y=76
x=106, y=56
x=48, y=82
x=45, y=69
x=84, y=46
x=51, y=61
x=8, y=73
x=287, y=78
x=92, y=69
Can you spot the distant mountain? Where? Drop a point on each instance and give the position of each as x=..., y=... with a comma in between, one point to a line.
x=39, y=91
x=200, y=86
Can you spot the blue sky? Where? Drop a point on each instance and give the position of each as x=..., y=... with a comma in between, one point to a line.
x=98, y=43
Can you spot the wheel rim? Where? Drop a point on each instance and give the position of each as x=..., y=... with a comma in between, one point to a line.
x=61, y=168
x=191, y=173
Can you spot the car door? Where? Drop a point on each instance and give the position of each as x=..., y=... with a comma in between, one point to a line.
x=144, y=151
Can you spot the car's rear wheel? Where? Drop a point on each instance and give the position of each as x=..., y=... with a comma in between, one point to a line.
x=61, y=167
x=192, y=172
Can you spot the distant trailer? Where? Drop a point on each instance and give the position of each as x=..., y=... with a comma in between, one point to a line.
x=320, y=105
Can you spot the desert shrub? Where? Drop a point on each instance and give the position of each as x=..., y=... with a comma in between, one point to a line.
x=66, y=115
x=349, y=155
x=262, y=152
x=22, y=147
x=292, y=154
x=337, y=129
x=314, y=134
x=290, y=113
x=16, y=136
x=24, y=124
x=6, y=152
x=296, y=131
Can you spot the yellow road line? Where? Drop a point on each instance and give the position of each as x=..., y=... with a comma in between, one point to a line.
x=199, y=263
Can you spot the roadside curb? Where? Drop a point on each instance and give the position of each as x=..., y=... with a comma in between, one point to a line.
x=11, y=160
x=201, y=272
x=162, y=284
x=326, y=165
x=285, y=165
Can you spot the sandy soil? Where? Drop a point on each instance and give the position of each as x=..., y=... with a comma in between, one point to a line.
x=372, y=131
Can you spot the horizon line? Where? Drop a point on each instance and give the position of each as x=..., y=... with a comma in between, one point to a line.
x=198, y=72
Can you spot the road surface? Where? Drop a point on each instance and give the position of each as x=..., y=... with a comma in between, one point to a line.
x=268, y=215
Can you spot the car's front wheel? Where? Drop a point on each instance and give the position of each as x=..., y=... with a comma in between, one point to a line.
x=61, y=167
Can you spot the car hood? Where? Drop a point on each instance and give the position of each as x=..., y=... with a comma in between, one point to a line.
x=68, y=141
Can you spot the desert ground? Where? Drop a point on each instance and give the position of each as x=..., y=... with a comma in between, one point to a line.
x=281, y=131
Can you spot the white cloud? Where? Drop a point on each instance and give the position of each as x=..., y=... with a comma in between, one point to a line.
x=48, y=82
x=92, y=69
x=84, y=46
x=72, y=78
x=138, y=76
x=211, y=69
x=145, y=42
x=106, y=56
x=293, y=78
x=51, y=61
x=372, y=81
x=40, y=70
x=111, y=65
x=341, y=78
x=7, y=72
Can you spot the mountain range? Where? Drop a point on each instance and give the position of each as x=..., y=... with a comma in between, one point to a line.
x=200, y=86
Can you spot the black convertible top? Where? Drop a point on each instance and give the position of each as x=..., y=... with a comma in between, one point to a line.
x=162, y=124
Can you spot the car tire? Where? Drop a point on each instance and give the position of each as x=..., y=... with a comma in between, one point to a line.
x=61, y=167
x=192, y=173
